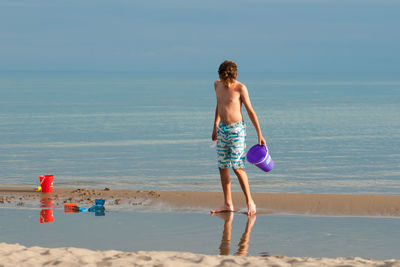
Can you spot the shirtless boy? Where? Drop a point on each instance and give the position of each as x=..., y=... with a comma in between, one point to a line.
x=230, y=133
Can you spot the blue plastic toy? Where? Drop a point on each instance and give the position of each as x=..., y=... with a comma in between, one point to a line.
x=97, y=208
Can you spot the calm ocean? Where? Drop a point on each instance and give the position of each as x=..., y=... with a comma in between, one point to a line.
x=336, y=133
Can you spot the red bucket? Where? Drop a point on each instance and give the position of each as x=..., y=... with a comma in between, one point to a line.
x=46, y=216
x=46, y=182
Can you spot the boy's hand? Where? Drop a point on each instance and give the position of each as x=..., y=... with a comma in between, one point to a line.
x=214, y=136
x=261, y=140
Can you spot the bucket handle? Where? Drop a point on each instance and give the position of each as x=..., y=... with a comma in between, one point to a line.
x=266, y=156
x=44, y=178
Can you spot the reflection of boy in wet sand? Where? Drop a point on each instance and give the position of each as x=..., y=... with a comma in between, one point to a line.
x=230, y=133
x=226, y=234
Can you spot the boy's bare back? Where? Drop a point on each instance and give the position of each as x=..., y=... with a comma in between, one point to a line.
x=231, y=94
x=229, y=101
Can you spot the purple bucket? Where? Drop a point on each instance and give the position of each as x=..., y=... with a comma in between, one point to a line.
x=259, y=156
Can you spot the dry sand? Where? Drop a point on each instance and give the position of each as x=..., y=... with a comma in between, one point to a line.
x=17, y=255
x=313, y=204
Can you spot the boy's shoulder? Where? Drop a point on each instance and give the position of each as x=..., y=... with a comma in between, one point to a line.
x=217, y=82
x=238, y=86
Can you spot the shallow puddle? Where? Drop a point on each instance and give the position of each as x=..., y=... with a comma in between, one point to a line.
x=263, y=235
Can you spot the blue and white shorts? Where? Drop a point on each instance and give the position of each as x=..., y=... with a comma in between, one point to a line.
x=231, y=145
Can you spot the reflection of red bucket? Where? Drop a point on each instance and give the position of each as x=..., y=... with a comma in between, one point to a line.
x=46, y=182
x=46, y=216
x=46, y=202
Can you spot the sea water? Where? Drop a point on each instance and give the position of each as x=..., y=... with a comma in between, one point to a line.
x=327, y=133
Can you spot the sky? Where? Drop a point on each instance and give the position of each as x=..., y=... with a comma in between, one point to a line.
x=196, y=36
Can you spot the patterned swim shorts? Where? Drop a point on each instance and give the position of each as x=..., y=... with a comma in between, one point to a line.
x=231, y=145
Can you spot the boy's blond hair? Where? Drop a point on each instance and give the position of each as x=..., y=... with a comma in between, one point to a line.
x=227, y=72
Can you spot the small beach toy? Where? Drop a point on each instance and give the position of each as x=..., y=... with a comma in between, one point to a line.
x=71, y=208
x=99, y=213
x=97, y=208
x=98, y=205
x=46, y=216
x=99, y=202
x=38, y=189
x=46, y=183
x=258, y=155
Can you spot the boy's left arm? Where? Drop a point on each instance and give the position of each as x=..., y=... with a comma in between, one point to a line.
x=244, y=95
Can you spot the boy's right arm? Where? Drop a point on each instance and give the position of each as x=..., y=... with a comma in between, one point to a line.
x=216, y=121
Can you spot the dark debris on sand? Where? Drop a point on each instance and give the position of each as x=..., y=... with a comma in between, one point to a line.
x=79, y=196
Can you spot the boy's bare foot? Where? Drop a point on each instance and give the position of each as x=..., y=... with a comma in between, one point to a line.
x=251, y=208
x=224, y=208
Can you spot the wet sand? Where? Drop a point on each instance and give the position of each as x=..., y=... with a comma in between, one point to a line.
x=314, y=204
x=310, y=204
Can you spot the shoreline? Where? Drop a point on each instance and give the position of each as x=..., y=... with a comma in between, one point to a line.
x=267, y=203
x=16, y=255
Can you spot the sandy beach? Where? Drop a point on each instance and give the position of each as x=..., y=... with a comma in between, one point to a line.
x=267, y=203
x=310, y=204
x=17, y=255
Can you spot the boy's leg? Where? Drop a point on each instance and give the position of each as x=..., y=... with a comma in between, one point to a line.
x=244, y=184
x=237, y=153
x=244, y=241
x=226, y=234
x=226, y=188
